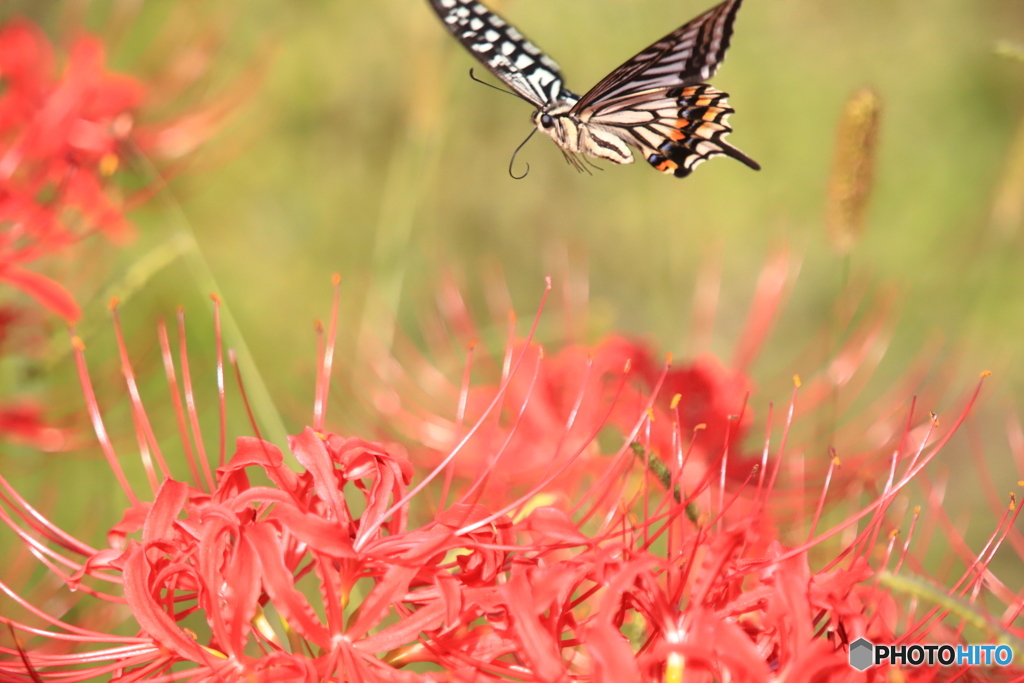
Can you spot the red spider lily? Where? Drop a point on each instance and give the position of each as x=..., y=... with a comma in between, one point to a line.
x=553, y=411
x=322, y=574
x=59, y=137
x=62, y=137
x=63, y=134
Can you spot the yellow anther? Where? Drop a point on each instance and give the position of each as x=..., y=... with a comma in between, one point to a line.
x=109, y=164
x=674, y=668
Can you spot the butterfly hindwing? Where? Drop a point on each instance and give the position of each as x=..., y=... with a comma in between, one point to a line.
x=501, y=48
x=684, y=127
x=688, y=55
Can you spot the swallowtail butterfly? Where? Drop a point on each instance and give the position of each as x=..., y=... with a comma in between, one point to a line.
x=656, y=102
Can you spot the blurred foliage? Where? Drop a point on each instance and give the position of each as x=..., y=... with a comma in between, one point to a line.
x=369, y=151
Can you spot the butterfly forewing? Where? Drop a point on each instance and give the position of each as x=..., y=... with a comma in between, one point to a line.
x=688, y=55
x=505, y=52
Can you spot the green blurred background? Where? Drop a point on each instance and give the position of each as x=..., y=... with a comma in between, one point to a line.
x=368, y=151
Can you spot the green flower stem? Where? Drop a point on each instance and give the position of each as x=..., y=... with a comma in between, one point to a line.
x=660, y=470
x=925, y=590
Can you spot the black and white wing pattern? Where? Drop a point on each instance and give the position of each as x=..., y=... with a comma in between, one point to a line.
x=676, y=129
x=688, y=55
x=657, y=102
x=504, y=51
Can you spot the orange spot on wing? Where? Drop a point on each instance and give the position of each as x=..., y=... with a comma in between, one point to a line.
x=667, y=166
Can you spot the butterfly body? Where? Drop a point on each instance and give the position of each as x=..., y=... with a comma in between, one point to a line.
x=655, y=102
x=577, y=135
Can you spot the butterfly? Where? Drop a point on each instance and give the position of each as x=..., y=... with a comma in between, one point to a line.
x=656, y=102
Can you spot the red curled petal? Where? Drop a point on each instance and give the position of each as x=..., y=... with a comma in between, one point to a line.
x=537, y=645
x=146, y=610
x=170, y=500
x=321, y=535
x=242, y=593
x=49, y=293
x=424, y=619
x=312, y=454
x=552, y=524
x=279, y=584
x=613, y=657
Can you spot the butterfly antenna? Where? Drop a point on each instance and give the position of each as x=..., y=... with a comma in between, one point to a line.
x=512, y=161
x=494, y=87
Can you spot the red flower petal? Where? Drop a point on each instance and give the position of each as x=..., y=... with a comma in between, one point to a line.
x=327, y=537
x=537, y=645
x=44, y=290
x=310, y=451
x=279, y=584
x=424, y=619
x=170, y=500
x=150, y=614
x=389, y=590
x=553, y=525
x=24, y=423
x=614, y=661
x=241, y=594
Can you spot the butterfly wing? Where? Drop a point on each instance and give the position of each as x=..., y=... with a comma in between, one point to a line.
x=505, y=52
x=656, y=100
x=675, y=128
x=688, y=55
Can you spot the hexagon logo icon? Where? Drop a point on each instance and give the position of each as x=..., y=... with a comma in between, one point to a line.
x=861, y=654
